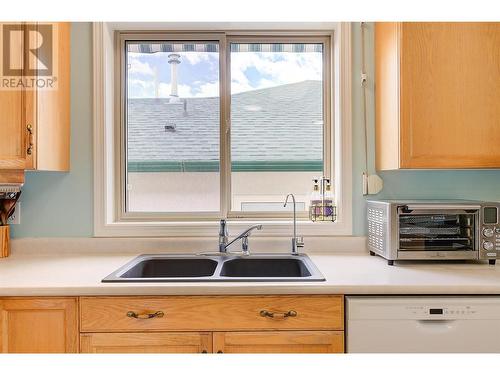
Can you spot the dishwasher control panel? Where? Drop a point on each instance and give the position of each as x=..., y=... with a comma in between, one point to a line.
x=436, y=312
x=423, y=308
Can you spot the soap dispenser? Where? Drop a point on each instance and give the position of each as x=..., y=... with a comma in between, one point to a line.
x=315, y=201
x=328, y=200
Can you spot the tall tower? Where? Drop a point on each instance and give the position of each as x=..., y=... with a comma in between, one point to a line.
x=174, y=59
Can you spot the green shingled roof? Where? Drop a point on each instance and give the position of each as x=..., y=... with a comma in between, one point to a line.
x=273, y=129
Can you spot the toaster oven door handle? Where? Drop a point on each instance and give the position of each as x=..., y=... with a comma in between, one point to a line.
x=408, y=208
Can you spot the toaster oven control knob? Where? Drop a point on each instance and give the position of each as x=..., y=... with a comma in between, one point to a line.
x=488, y=245
x=488, y=232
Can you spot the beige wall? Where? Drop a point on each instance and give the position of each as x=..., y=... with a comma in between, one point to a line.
x=199, y=191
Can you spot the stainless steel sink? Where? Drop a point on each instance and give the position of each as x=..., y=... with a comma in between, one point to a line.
x=215, y=267
x=171, y=267
x=265, y=267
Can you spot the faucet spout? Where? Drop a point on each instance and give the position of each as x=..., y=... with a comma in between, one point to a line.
x=223, y=237
x=296, y=241
x=244, y=235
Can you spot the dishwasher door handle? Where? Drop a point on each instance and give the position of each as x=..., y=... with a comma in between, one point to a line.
x=437, y=326
x=430, y=321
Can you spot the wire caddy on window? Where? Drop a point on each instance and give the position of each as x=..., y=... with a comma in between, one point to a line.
x=322, y=206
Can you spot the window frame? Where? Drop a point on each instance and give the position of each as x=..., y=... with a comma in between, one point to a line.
x=224, y=40
x=121, y=159
x=328, y=143
x=109, y=205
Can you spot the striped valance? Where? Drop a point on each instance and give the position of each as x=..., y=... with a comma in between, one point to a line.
x=153, y=47
x=171, y=47
x=276, y=47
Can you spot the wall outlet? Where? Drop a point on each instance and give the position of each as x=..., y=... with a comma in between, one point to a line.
x=16, y=216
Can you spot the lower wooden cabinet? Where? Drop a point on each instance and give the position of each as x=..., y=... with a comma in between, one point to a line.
x=215, y=324
x=38, y=325
x=216, y=342
x=146, y=342
x=279, y=342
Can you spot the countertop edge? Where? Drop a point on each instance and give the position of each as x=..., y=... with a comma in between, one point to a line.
x=143, y=291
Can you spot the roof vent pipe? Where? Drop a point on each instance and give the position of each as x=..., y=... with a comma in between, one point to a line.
x=174, y=59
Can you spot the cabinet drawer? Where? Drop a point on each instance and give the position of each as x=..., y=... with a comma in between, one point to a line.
x=214, y=313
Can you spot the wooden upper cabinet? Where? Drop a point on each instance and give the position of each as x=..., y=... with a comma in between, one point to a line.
x=50, y=109
x=12, y=114
x=38, y=325
x=437, y=89
x=35, y=117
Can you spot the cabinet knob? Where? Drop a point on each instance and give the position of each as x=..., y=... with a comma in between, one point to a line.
x=220, y=352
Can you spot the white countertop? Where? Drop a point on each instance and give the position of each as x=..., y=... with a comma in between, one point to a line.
x=353, y=272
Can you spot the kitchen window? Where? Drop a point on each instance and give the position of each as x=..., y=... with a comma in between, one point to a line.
x=172, y=126
x=220, y=124
x=271, y=107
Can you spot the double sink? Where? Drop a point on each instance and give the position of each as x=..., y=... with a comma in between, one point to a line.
x=217, y=267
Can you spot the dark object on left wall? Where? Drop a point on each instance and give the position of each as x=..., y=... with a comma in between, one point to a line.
x=8, y=206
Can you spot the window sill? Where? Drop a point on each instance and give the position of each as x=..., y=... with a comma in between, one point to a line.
x=211, y=228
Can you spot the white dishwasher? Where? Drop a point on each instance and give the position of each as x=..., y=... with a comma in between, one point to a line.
x=423, y=324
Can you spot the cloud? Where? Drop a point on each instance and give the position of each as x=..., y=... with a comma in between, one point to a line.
x=184, y=91
x=138, y=67
x=194, y=58
x=209, y=89
x=139, y=88
x=273, y=69
x=249, y=71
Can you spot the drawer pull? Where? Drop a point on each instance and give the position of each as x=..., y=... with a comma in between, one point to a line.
x=158, y=314
x=281, y=316
x=29, y=151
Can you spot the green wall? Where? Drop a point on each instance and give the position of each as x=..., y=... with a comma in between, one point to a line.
x=60, y=204
x=438, y=184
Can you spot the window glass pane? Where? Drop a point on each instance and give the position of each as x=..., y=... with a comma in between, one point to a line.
x=172, y=121
x=276, y=124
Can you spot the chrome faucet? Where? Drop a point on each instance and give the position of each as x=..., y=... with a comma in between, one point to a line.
x=296, y=241
x=223, y=237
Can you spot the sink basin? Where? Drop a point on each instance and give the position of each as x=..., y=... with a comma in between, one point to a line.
x=172, y=267
x=217, y=267
x=265, y=267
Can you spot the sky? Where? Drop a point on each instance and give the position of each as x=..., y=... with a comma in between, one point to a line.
x=198, y=72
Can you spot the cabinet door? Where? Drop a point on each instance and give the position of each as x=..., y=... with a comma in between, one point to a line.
x=13, y=131
x=450, y=95
x=149, y=342
x=48, y=109
x=279, y=342
x=38, y=325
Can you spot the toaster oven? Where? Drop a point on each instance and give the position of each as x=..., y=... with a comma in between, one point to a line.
x=416, y=230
